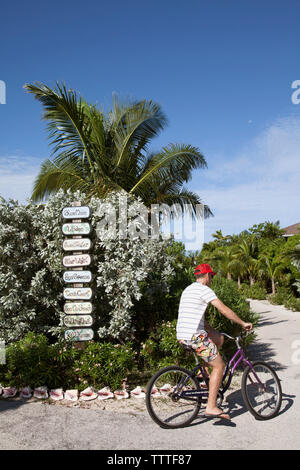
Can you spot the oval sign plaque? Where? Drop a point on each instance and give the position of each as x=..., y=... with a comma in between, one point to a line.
x=83, y=293
x=76, y=228
x=77, y=244
x=76, y=260
x=72, y=308
x=84, y=334
x=77, y=212
x=77, y=276
x=78, y=320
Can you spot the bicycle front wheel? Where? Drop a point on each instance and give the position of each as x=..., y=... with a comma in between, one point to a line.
x=261, y=391
x=169, y=397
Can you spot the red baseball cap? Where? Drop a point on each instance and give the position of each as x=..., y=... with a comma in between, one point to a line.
x=204, y=268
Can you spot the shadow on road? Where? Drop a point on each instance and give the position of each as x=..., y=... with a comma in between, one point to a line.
x=270, y=322
x=7, y=404
x=264, y=352
x=288, y=405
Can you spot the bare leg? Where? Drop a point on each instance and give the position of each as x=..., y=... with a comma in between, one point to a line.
x=214, y=335
x=214, y=384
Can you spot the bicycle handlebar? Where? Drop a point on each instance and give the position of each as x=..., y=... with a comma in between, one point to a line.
x=237, y=338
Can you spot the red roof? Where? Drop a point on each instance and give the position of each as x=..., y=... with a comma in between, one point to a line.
x=291, y=230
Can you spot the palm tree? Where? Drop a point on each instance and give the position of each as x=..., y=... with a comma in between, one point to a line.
x=247, y=252
x=225, y=258
x=272, y=267
x=218, y=236
x=96, y=154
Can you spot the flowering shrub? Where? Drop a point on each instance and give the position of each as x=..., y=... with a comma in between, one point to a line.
x=34, y=362
x=255, y=291
x=31, y=269
x=103, y=364
x=162, y=349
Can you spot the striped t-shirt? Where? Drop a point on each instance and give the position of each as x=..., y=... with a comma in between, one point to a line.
x=193, y=302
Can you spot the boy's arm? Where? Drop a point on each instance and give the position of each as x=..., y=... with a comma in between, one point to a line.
x=228, y=313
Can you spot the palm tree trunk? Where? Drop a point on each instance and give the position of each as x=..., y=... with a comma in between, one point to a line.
x=252, y=280
x=239, y=282
x=229, y=276
x=273, y=285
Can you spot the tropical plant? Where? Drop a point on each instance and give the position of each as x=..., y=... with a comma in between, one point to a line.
x=267, y=230
x=219, y=237
x=247, y=251
x=31, y=268
x=97, y=154
x=271, y=267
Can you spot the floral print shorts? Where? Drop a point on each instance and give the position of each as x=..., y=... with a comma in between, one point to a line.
x=203, y=345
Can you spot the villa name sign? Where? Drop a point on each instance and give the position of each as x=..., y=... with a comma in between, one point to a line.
x=75, y=293
x=72, y=321
x=76, y=228
x=76, y=212
x=80, y=308
x=84, y=334
x=77, y=244
x=78, y=276
x=76, y=260
x=77, y=309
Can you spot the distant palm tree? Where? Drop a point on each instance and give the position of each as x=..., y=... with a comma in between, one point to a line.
x=96, y=154
x=247, y=252
x=271, y=267
x=224, y=256
x=218, y=236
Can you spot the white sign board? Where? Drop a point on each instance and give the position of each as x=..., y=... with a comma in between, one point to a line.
x=76, y=228
x=77, y=244
x=77, y=293
x=76, y=212
x=73, y=321
x=85, y=334
x=71, y=308
x=76, y=260
x=77, y=277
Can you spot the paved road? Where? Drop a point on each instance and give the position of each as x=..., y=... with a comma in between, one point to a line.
x=42, y=426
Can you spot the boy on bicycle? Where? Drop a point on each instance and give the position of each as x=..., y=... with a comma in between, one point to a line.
x=193, y=330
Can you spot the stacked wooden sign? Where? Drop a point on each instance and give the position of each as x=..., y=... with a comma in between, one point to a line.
x=77, y=308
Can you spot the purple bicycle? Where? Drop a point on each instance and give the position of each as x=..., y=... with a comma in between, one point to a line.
x=174, y=394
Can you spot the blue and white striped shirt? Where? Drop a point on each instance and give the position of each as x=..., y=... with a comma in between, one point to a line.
x=193, y=302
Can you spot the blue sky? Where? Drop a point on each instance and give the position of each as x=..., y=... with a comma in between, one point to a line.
x=221, y=70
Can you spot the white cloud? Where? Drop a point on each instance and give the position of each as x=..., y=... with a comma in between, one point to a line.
x=261, y=183
x=17, y=175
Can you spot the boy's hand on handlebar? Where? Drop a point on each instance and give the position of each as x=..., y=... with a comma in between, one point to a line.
x=247, y=326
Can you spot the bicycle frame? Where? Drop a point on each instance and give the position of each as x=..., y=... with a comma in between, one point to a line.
x=238, y=358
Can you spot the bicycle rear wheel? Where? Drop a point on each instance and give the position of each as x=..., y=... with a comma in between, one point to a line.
x=261, y=391
x=164, y=397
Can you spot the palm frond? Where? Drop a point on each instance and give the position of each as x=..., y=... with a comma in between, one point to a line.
x=176, y=160
x=67, y=124
x=53, y=176
x=135, y=126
